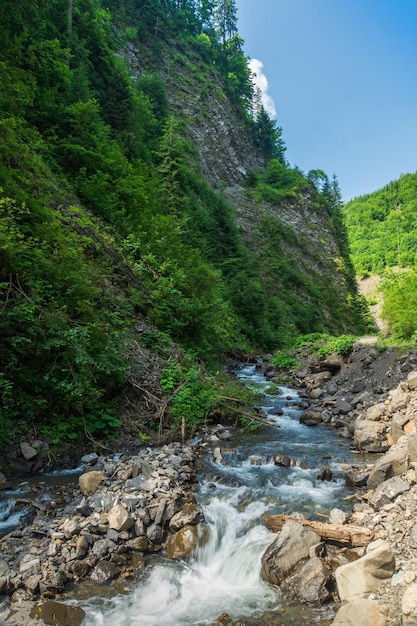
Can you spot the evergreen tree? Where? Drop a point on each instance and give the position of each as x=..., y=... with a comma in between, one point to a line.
x=268, y=136
x=226, y=19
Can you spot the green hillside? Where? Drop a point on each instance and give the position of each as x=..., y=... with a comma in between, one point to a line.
x=382, y=229
x=123, y=269
x=382, y=226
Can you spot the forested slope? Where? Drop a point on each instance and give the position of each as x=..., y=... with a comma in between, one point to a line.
x=148, y=217
x=382, y=229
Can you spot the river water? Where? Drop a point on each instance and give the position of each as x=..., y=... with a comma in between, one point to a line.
x=224, y=576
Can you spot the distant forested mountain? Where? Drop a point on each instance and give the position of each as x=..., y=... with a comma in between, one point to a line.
x=382, y=226
x=150, y=222
x=382, y=229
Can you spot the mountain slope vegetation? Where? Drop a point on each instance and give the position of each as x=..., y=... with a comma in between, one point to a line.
x=383, y=241
x=149, y=219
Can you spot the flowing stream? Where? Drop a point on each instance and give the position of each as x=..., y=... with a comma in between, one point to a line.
x=224, y=575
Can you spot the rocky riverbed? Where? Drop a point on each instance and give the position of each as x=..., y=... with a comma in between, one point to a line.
x=124, y=511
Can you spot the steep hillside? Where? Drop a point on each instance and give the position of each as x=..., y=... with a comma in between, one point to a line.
x=383, y=240
x=148, y=218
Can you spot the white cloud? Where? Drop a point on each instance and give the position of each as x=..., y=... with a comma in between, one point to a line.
x=261, y=81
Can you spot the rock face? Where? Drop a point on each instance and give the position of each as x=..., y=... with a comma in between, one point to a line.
x=357, y=580
x=361, y=613
x=290, y=547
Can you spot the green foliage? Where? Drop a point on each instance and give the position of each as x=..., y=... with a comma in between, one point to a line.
x=400, y=303
x=381, y=227
x=323, y=344
x=197, y=397
x=284, y=360
x=105, y=214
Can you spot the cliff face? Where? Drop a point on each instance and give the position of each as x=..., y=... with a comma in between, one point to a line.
x=226, y=155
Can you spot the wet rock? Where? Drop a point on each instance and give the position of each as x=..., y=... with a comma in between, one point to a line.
x=104, y=572
x=139, y=544
x=310, y=418
x=358, y=579
x=59, y=614
x=310, y=583
x=183, y=543
x=325, y=474
x=89, y=482
x=282, y=460
x=190, y=514
x=289, y=548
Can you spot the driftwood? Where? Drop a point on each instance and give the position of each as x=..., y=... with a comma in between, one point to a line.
x=348, y=534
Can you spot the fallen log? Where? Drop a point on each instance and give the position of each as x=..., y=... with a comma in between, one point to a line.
x=345, y=534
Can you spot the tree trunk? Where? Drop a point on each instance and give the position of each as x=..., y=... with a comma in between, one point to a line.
x=348, y=534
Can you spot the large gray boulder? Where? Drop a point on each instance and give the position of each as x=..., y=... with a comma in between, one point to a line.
x=360, y=578
x=310, y=583
x=393, y=463
x=370, y=436
x=387, y=491
x=361, y=613
x=290, y=547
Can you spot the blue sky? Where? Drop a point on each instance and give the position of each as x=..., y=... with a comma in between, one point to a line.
x=343, y=77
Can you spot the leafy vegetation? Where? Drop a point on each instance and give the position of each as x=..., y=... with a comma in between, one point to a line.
x=108, y=223
x=383, y=239
x=381, y=227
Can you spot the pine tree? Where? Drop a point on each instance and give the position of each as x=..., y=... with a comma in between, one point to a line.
x=226, y=19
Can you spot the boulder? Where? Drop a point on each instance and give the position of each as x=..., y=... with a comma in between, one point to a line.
x=119, y=518
x=28, y=452
x=316, y=393
x=189, y=514
x=360, y=578
x=59, y=614
x=310, y=418
x=89, y=482
x=387, y=491
x=376, y=412
x=310, y=583
x=393, y=463
x=363, y=612
x=290, y=547
x=409, y=606
x=104, y=572
x=282, y=460
x=183, y=543
x=370, y=436
x=337, y=516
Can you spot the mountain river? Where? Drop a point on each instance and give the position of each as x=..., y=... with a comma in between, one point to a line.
x=223, y=577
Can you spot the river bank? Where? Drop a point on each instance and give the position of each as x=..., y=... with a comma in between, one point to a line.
x=141, y=502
